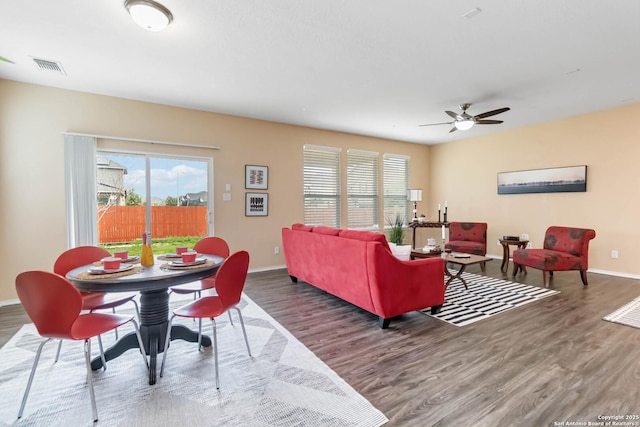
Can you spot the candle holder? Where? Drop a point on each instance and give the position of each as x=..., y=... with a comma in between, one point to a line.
x=438, y=215
x=445, y=216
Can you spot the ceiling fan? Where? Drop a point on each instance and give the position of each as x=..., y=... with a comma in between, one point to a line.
x=465, y=121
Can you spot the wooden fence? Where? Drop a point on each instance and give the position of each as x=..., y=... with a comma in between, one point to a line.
x=119, y=224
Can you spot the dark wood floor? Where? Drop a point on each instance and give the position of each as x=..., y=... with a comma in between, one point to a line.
x=548, y=362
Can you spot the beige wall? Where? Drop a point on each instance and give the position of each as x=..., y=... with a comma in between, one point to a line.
x=32, y=218
x=33, y=118
x=608, y=142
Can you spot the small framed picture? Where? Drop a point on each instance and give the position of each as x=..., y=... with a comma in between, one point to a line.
x=256, y=204
x=256, y=177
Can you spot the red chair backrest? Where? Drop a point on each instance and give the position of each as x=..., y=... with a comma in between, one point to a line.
x=51, y=302
x=77, y=257
x=231, y=276
x=212, y=246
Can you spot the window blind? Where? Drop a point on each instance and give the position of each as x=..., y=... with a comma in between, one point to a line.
x=396, y=183
x=322, y=186
x=362, y=189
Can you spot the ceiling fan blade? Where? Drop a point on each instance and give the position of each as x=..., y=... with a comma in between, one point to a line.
x=452, y=114
x=435, y=124
x=488, y=122
x=492, y=113
x=453, y=129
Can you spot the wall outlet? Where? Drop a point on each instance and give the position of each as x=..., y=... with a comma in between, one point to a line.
x=614, y=254
x=498, y=242
x=524, y=236
x=276, y=250
x=529, y=245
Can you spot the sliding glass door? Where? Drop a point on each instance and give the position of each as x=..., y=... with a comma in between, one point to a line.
x=169, y=196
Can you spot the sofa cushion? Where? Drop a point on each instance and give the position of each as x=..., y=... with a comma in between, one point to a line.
x=367, y=236
x=330, y=231
x=473, y=248
x=548, y=260
x=301, y=227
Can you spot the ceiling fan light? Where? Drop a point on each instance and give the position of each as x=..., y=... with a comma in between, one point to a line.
x=464, y=124
x=148, y=14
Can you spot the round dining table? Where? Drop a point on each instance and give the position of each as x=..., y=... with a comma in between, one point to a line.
x=153, y=283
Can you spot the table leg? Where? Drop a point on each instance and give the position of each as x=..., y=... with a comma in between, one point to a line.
x=505, y=257
x=458, y=275
x=154, y=320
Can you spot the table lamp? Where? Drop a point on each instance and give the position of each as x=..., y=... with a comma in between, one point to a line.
x=415, y=196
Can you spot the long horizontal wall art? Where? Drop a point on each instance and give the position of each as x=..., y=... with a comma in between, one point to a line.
x=551, y=180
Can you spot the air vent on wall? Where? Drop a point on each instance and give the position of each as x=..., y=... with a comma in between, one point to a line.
x=47, y=65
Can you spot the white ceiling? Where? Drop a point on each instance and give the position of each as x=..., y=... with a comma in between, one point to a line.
x=371, y=67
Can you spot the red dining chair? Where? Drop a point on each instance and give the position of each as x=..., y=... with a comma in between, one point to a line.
x=210, y=246
x=91, y=301
x=54, y=305
x=230, y=280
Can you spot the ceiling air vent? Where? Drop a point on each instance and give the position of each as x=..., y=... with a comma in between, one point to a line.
x=47, y=65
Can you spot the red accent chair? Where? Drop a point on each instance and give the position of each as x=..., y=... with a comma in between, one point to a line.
x=54, y=306
x=468, y=238
x=91, y=301
x=230, y=280
x=565, y=248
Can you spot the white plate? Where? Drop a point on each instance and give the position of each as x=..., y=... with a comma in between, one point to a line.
x=131, y=259
x=187, y=264
x=100, y=270
x=172, y=256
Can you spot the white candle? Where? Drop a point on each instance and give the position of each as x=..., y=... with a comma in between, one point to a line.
x=445, y=203
x=443, y=232
x=438, y=206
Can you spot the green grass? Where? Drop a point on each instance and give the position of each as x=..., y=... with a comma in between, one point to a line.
x=159, y=246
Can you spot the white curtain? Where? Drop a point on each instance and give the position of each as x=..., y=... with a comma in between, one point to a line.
x=80, y=190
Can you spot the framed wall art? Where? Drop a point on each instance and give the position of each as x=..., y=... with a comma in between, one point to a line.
x=256, y=204
x=551, y=180
x=256, y=177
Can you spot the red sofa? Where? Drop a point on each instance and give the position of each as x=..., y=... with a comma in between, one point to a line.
x=358, y=267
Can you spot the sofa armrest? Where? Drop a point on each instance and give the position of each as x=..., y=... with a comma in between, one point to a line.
x=402, y=286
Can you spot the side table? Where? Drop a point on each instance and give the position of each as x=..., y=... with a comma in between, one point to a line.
x=521, y=244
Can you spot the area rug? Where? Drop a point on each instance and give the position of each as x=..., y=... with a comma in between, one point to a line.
x=283, y=384
x=485, y=297
x=628, y=314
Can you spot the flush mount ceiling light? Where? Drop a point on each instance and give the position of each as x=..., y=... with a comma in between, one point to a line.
x=148, y=14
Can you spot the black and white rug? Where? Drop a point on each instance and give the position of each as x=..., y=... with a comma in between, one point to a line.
x=283, y=384
x=628, y=314
x=485, y=297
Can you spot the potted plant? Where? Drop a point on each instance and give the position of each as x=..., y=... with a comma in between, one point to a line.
x=396, y=236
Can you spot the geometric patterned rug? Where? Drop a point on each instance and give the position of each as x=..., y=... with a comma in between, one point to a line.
x=628, y=314
x=283, y=384
x=485, y=297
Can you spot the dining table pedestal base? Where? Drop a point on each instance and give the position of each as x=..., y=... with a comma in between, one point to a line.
x=154, y=320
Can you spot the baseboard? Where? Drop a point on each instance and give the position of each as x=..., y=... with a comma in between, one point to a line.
x=9, y=302
x=614, y=273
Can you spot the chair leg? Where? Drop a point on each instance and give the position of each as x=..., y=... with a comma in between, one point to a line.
x=87, y=358
x=33, y=372
x=516, y=267
x=215, y=352
x=140, y=343
x=115, y=331
x=104, y=360
x=230, y=318
x=166, y=345
x=545, y=278
x=58, y=351
x=199, y=333
x=583, y=276
x=244, y=331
